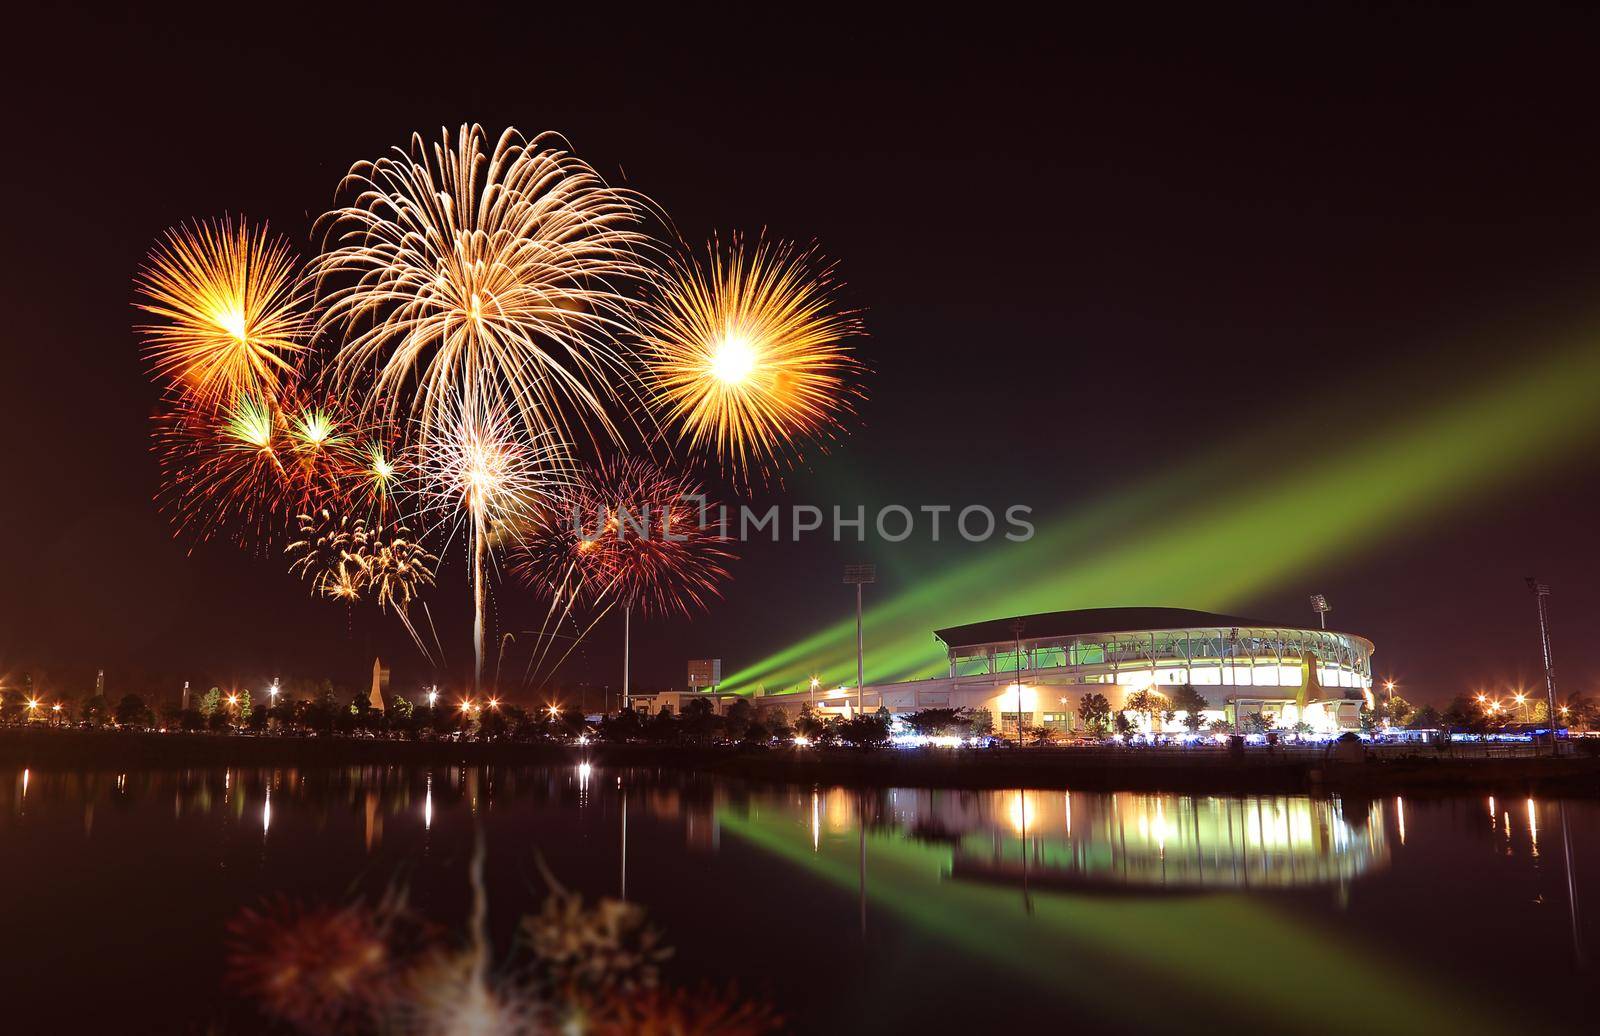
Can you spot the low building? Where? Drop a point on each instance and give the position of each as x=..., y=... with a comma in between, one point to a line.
x=1038, y=668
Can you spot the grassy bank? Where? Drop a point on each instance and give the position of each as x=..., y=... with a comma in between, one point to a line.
x=1088, y=769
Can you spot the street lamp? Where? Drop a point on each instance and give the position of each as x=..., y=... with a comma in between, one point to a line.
x=433, y=697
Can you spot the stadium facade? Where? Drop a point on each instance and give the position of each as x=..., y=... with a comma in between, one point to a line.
x=1040, y=667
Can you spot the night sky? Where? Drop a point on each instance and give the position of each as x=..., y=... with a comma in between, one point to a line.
x=1090, y=255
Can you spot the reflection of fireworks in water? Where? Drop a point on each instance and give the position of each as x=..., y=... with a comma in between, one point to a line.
x=322, y=969
x=229, y=309
x=503, y=276
x=745, y=354
x=379, y=968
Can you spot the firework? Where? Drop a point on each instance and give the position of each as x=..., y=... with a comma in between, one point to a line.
x=503, y=276
x=660, y=555
x=229, y=311
x=247, y=468
x=487, y=476
x=398, y=568
x=746, y=354
x=321, y=969
x=223, y=469
x=332, y=553
x=565, y=552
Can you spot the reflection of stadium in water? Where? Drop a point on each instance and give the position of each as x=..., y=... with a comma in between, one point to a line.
x=1131, y=841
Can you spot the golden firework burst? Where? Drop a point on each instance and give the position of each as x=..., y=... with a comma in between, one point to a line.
x=229, y=308
x=504, y=276
x=746, y=354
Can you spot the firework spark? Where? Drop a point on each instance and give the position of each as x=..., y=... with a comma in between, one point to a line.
x=332, y=554
x=503, y=276
x=660, y=556
x=746, y=355
x=229, y=309
x=223, y=469
x=488, y=476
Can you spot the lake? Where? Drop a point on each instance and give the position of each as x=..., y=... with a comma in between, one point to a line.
x=128, y=897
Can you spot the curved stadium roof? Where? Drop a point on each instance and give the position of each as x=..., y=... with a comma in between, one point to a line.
x=1085, y=621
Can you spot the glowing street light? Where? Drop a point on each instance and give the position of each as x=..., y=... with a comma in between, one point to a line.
x=433, y=697
x=272, y=695
x=553, y=710
x=494, y=703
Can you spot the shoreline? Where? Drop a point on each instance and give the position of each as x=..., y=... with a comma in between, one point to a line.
x=1087, y=769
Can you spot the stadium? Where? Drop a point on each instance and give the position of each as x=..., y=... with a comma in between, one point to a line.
x=1040, y=667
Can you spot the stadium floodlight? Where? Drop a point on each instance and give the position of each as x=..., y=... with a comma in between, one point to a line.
x=1320, y=605
x=857, y=576
x=1541, y=591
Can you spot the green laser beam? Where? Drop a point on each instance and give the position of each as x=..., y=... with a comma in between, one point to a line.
x=1232, y=953
x=1216, y=548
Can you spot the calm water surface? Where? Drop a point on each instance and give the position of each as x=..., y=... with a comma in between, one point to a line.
x=894, y=910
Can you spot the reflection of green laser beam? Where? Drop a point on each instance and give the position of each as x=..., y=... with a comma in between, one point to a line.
x=1248, y=533
x=1233, y=954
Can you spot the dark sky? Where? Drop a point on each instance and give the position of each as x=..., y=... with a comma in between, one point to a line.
x=1290, y=211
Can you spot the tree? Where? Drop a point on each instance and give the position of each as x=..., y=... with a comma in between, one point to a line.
x=1397, y=709
x=1042, y=735
x=737, y=721
x=809, y=724
x=1123, y=724
x=866, y=732
x=624, y=726
x=663, y=726
x=243, y=707
x=401, y=708
x=1461, y=713
x=210, y=702
x=699, y=721
x=1150, y=703
x=1220, y=727
x=132, y=712
x=934, y=722
x=1580, y=712
x=776, y=721
x=95, y=710
x=976, y=722
x=1095, y=711
x=1425, y=718
x=492, y=725
x=1190, y=702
